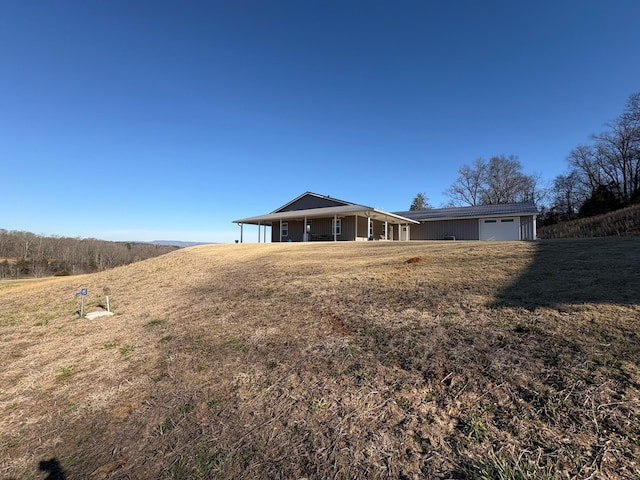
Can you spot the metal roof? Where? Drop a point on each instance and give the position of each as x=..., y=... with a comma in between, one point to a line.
x=479, y=211
x=343, y=210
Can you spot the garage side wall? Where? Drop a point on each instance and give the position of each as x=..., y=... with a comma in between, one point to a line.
x=527, y=230
x=438, y=230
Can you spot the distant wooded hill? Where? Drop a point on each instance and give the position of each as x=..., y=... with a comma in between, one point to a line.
x=625, y=221
x=178, y=243
x=25, y=254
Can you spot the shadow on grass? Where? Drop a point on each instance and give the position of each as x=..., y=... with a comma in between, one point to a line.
x=53, y=467
x=577, y=271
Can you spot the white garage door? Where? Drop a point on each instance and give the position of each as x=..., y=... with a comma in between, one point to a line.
x=500, y=228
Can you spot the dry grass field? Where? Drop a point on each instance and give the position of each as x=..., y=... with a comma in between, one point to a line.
x=345, y=361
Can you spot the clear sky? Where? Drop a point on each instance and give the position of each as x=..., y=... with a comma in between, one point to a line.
x=144, y=120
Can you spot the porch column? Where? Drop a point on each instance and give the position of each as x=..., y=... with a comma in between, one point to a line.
x=264, y=234
x=356, y=228
x=535, y=233
x=258, y=232
x=368, y=227
x=280, y=230
x=305, y=235
x=335, y=227
x=240, y=233
x=386, y=230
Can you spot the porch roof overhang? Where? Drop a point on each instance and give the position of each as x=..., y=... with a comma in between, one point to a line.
x=327, y=212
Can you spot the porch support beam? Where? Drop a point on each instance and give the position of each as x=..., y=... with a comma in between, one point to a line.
x=335, y=227
x=241, y=229
x=280, y=230
x=355, y=237
x=258, y=232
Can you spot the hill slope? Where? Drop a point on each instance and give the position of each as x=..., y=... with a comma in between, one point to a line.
x=351, y=360
x=625, y=221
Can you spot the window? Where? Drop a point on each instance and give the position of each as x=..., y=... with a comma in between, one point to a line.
x=285, y=229
x=506, y=220
x=308, y=226
x=336, y=226
x=490, y=221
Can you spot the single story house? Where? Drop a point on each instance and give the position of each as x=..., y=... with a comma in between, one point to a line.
x=313, y=217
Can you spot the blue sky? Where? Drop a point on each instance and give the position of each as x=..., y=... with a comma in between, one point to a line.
x=144, y=120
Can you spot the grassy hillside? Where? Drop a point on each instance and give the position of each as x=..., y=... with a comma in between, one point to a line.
x=351, y=360
x=625, y=221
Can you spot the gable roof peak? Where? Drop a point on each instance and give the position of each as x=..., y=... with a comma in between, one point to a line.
x=306, y=195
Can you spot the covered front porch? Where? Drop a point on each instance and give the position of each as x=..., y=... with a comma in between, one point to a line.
x=341, y=223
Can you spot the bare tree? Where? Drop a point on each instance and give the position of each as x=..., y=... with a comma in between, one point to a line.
x=500, y=180
x=466, y=190
x=612, y=162
x=568, y=195
x=582, y=160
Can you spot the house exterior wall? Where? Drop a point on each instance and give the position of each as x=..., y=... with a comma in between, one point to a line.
x=362, y=228
x=464, y=229
x=348, y=229
x=527, y=228
x=295, y=231
x=321, y=229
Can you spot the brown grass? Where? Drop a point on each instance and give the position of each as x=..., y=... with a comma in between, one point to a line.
x=625, y=221
x=482, y=360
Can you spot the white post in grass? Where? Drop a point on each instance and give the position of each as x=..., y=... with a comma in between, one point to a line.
x=107, y=291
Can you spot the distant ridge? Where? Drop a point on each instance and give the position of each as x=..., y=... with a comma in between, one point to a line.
x=178, y=243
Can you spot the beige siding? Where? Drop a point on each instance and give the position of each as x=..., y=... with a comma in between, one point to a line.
x=362, y=228
x=467, y=229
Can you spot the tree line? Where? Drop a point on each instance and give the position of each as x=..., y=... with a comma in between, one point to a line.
x=485, y=182
x=25, y=254
x=602, y=176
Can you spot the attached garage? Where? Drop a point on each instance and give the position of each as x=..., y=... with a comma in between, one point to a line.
x=506, y=222
x=500, y=228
